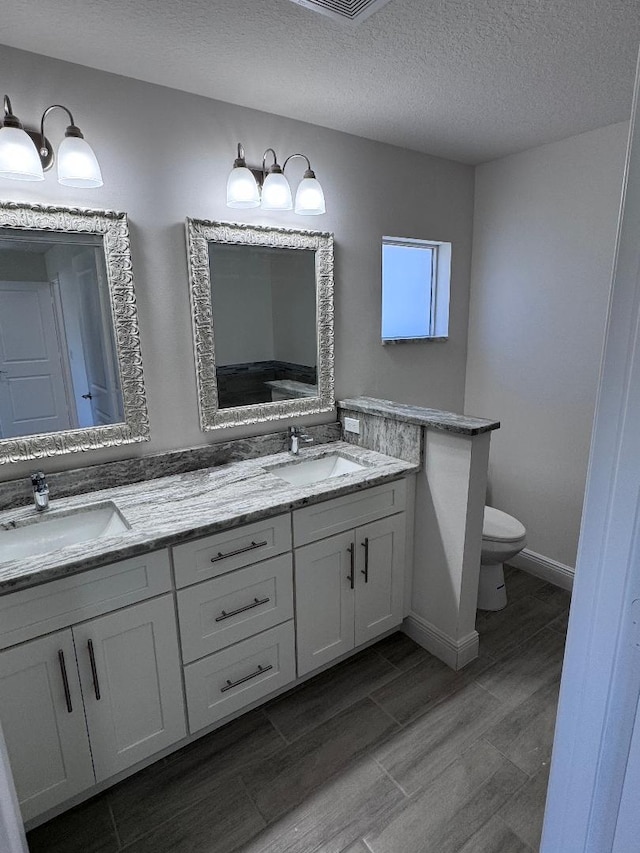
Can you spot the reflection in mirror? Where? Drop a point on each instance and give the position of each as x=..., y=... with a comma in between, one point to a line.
x=58, y=365
x=262, y=310
x=70, y=362
x=264, y=323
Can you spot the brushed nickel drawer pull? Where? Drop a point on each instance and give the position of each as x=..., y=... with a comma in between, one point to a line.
x=65, y=681
x=251, y=547
x=365, y=571
x=94, y=670
x=231, y=684
x=255, y=603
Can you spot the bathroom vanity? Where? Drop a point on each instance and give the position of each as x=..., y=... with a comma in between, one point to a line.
x=166, y=594
x=226, y=586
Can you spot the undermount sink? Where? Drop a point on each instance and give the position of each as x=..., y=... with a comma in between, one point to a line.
x=308, y=471
x=50, y=531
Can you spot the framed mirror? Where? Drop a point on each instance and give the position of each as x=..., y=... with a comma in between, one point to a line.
x=70, y=362
x=262, y=309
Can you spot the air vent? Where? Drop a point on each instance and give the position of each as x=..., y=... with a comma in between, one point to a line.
x=354, y=11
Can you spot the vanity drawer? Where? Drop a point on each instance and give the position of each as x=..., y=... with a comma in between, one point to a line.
x=225, y=682
x=340, y=514
x=235, y=606
x=33, y=612
x=232, y=549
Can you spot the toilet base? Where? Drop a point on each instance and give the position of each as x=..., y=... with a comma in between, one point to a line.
x=492, y=593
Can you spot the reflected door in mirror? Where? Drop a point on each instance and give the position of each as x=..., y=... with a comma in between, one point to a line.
x=58, y=364
x=264, y=319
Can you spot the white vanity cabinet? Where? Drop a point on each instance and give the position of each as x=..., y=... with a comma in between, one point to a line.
x=95, y=668
x=350, y=585
x=236, y=629
x=43, y=722
x=109, y=687
x=129, y=668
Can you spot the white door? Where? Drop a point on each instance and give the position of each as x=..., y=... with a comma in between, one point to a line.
x=103, y=389
x=43, y=722
x=12, y=835
x=379, y=577
x=627, y=836
x=131, y=681
x=325, y=600
x=592, y=804
x=33, y=397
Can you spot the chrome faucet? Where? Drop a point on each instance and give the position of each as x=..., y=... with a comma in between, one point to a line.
x=40, y=491
x=297, y=435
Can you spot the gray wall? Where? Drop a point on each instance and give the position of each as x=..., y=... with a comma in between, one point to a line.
x=165, y=155
x=544, y=238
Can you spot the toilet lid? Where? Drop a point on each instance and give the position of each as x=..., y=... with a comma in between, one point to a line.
x=500, y=527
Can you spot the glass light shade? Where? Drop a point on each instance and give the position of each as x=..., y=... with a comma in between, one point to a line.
x=310, y=198
x=77, y=164
x=276, y=192
x=19, y=158
x=242, y=189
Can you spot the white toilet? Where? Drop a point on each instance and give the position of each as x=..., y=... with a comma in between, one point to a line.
x=502, y=538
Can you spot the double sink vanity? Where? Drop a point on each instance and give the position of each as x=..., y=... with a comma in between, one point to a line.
x=139, y=617
x=162, y=594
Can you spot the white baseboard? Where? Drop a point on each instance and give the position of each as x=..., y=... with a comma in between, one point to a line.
x=544, y=568
x=455, y=653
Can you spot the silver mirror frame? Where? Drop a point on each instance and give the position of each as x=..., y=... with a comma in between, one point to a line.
x=114, y=229
x=199, y=234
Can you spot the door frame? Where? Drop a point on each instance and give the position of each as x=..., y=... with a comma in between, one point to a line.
x=601, y=675
x=58, y=315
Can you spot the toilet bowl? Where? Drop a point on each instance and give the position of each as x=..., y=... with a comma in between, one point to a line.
x=502, y=538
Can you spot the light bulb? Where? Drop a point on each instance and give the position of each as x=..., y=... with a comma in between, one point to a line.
x=19, y=158
x=242, y=190
x=276, y=192
x=310, y=198
x=77, y=164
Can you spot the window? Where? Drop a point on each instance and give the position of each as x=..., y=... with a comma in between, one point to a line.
x=415, y=289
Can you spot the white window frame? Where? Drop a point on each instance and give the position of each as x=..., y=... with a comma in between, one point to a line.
x=438, y=321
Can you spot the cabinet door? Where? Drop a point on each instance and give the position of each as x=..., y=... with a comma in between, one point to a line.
x=324, y=600
x=379, y=577
x=43, y=722
x=130, y=672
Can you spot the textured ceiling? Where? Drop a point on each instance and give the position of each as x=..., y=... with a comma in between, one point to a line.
x=471, y=80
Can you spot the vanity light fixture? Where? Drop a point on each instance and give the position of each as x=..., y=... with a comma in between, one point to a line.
x=19, y=157
x=276, y=192
x=25, y=155
x=269, y=188
x=242, y=189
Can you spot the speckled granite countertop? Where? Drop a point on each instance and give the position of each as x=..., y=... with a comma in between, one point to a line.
x=291, y=386
x=435, y=418
x=174, y=509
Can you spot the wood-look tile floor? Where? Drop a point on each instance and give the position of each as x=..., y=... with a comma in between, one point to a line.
x=388, y=752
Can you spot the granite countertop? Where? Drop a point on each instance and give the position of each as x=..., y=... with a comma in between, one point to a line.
x=293, y=387
x=435, y=418
x=170, y=510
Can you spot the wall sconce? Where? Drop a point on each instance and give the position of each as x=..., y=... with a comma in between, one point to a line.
x=25, y=154
x=269, y=188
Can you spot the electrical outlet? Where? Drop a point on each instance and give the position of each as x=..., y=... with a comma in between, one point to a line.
x=352, y=425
